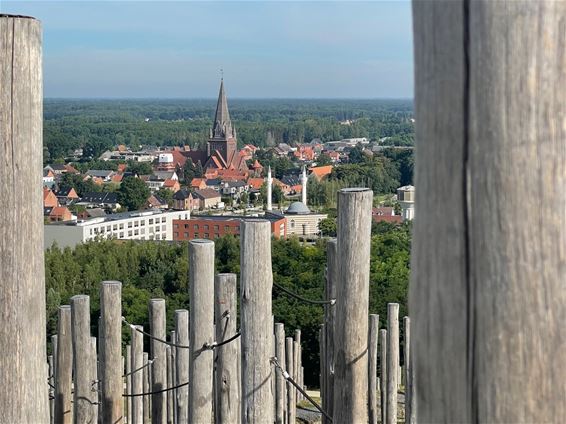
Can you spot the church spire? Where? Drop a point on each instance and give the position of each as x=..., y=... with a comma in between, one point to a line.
x=222, y=127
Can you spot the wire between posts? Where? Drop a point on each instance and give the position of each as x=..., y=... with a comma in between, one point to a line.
x=288, y=378
x=168, y=389
x=149, y=363
x=133, y=327
x=304, y=299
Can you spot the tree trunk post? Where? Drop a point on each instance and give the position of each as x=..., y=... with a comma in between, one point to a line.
x=22, y=274
x=280, y=394
x=51, y=390
x=372, y=369
x=352, y=303
x=95, y=382
x=227, y=394
x=146, y=389
x=410, y=407
x=257, y=329
x=383, y=373
x=291, y=401
x=128, y=359
x=182, y=364
x=137, y=377
x=201, y=330
x=111, y=314
x=487, y=296
x=297, y=363
x=64, y=369
x=85, y=401
x=329, y=321
x=323, y=365
x=392, y=361
x=159, y=356
x=174, y=394
x=170, y=383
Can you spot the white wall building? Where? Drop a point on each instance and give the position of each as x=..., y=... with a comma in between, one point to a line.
x=137, y=225
x=406, y=198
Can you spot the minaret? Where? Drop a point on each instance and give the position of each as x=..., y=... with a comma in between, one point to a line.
x=304, y=186
x=269, y=183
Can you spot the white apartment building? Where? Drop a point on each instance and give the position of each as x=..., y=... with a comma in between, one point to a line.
x=138, y=225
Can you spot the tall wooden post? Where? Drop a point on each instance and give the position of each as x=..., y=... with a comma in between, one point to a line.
x=146, y=389
x=170, y=383
x=94, y=384
x=352, y=301
x=136, y=415
x=128, y=363
x=22, y=275
x=182, y=364
x=490, y=110
x=51, y=390
x=323, y=375
x=111, y=314
x=383, y=373
x=159, y=356
x=64, y=369
x=280, y=392
x=392, y=361
x=291, y=400
x=329, y=321
x=173, y=394
x=256, y=286
x=227, y=393
x=85, y=400
x=201, y=281
x=410, y=407
x=372, y=369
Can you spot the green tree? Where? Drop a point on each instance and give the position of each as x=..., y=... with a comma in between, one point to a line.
x=165, y=194
x=323, y=160
x=199, y=171
x=327, y=227
x=133, y=193
x=189, y=171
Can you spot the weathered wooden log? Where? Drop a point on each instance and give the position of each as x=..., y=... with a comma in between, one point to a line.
x=280, y=392
x=329, y=322
x=128, y=400
x=85, y=399
x=297, y=363
x=383, y=373
x=487, y=296
x=392, y=361
x=352, y=302
x=256, y=287
x=51, y=390
x=182, y=364
x=322, y=372
x=159, y=357
x=146, y=389
x=95, y=383
x=137, y=377
x=372, y=369
x=64, y=369
x=410, y=407
x=225, y=311
x=170, y=383
x=201, y=330
x=111, y=314
x=172, y=395
x=23, y=392
x=291, y=400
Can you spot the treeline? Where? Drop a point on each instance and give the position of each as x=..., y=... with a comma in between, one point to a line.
x=97, y=125
x=152, y=269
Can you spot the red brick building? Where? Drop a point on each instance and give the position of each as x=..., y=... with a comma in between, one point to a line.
x=211, y=227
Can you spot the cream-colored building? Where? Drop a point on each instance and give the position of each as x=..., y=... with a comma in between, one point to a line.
x=300, y=220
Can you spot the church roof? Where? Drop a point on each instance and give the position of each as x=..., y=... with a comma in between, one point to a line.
x=222, y=127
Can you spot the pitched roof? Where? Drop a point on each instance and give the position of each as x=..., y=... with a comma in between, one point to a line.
x=182, y=194
x=222, y=127
x=101, y=173
x=321, y=171
x=170, y=183
x=256, y=183
x=206, y=193
x=100, y=197
x=196, y=182
x=59, y=211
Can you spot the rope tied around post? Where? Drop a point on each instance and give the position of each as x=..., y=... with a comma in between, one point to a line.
x=304, y=299
x=288, y=378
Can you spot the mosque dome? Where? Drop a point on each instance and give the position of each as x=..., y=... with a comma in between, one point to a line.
x=298, y=208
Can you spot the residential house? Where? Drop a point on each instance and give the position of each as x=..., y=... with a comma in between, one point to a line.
x=67, y=196
x=385, y=214
x=172, y=185
x=320, y=172
x=49, y=199
x=198, y=183
x=207, y=198
x=293, y=181
x=234, y=188
x=59, y=214
x=48, y=178
x=255, y=183
x=155, y=202
x=100, y=174
x=106, y=200
x=183, y=200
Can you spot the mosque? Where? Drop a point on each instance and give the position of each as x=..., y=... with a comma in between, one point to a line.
x=299, y=218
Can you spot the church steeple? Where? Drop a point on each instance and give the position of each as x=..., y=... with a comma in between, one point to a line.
x=222, y=127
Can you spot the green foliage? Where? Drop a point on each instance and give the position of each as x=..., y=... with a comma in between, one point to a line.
x=327, y=227
x=378, y=173
x=139, y=168
x=323, y=159
x=76, y=181
x=165, y=194
x=133, y=193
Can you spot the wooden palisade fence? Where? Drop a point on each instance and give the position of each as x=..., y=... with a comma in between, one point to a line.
x=487, y=294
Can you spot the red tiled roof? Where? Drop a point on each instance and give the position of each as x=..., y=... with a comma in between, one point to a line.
x=321, y=171
x=256, y=183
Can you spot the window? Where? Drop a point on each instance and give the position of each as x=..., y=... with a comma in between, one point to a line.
x=206, y=227
x=186, y=235
x=142, y=231
x=130, y=224
x=136, y=232
x=226, y=228
x=216, y=235
x=109, y=228
x=115, y=227
x=163, y=228
x=136, y=224
x=129, y=233
x=142, y=222
x=195, y=227
x=150, y=221
x=216, y=228
x=205, y=235
x=176, y=235
x=176, y=226
x=121, y=234
x=186, y=225
x=292, y=223
x=197, y=235
x=122, y=226
x=163, y=219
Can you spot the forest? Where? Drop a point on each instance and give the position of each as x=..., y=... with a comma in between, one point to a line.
x=153, y=269
x=97, y=125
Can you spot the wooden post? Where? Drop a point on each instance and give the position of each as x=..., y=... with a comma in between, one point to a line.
x=392, y=361
x=291, y=400
x=64, y=369
x=159, y=356
x=137, y=377
x=296, y=363
x=51, y=390
x=172, y=395
x=111, y=314
x=182, y=364
x=128, y=363
x=85, y=400
x=257, y=330
x=170, y=383
x=487, y=296
x=227, y=395
x=352, y=301
x=23, y=392
x=95, y=383
x=410, y=407
x=383, y=373
x=322, y=375
x=280, y=394
x=146, y=389
x=329, y=321
x=201, y=281
x=372, y=369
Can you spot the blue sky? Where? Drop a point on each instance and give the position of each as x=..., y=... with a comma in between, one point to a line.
x=267, y=49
